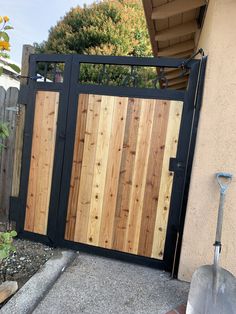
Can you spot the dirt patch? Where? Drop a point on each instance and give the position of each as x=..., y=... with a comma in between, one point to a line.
x=22, y=264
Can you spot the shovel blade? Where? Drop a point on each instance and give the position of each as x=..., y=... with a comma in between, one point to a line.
x=207, y=298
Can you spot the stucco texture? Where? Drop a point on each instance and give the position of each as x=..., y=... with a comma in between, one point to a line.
x=216, y=146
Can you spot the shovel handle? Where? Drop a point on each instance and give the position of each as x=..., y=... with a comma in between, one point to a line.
x=223, y=180
x=227, y=177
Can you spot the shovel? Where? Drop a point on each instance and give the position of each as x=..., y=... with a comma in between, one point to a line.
x=213, y=288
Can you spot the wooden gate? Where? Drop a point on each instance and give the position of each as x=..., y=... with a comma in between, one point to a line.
x=120, y=184
x=105, y=164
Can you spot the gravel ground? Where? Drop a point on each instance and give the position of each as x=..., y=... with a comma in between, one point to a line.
x=98, y=285
x=23, y=263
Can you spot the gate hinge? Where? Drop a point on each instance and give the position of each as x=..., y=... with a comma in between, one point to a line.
x=23, y=95
x=176, y=165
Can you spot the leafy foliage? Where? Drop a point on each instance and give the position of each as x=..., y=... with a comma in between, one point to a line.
x=115, y=27
x=4, y=133
x=110, y=27
x=5, y=44
x=118, y=75
x=6, y=238
x=6, y=246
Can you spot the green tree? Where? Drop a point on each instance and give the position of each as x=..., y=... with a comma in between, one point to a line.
x=115, y=27
x=109, y=27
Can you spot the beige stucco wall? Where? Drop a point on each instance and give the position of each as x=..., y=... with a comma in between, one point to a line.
x=215, y=147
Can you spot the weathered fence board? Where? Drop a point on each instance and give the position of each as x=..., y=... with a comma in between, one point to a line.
x=8, y=106
x=27, y=50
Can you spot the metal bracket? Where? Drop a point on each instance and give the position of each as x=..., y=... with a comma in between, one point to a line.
x=34, y=78
x=176, y=165
x=23, y=95
x=16, y=109
x=184, y=64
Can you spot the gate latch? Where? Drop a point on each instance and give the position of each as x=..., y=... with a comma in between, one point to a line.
x=176, y=165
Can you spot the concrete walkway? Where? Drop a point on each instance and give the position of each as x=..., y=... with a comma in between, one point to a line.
x=97, y=285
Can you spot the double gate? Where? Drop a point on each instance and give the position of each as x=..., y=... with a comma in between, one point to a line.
x=107, y=155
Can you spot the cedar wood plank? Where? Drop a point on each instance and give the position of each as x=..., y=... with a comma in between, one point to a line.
x=113, y=169
x=42, y=156
x=100, y=169
x=87, y=171
x=33, y=174
x=166, y=179
x=139, y=176
x=153, y=177
x=77, y=166
x=45, y=165
x=126, y=173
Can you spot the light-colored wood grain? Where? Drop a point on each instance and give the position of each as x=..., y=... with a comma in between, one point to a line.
x=42, y=156
x=153, y=177
x=47, y=149
x=184, y=54
x=178, y=81
x=166, y=179
x=76, y=166
x=175, y=49
x=139, y=176
x=113, y=171
x=177, y=31
x=100, y=169
x=124, y=182
x=7, y=289
x=126, y=173
x=179, y=86
x=34, y=177
x=87, y=171
x=175, y=7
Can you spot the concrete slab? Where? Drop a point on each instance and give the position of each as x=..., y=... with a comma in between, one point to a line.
x=98, y=285
x=27, y=298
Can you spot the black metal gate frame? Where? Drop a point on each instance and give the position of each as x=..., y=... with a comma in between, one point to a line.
x=69, y=91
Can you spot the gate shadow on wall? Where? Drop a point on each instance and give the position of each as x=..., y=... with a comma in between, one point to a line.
x=107, y=155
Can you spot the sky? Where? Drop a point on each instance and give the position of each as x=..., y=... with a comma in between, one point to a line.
x=32, y=20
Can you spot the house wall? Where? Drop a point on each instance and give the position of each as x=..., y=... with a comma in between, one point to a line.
x=216, y=146
x=6, y=81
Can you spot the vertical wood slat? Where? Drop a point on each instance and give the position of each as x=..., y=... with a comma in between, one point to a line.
x=7, y=99
x=153, y=178
x=166, y=179
x=100, y=168
x=113, y=169
x=7, y=153
x=120, y=191
x=77, y=165
x=34, y=164
x=2, y=112
x=139, y=176
x=126, y=172
x=18, y=147
x=41, y=166
x=87, y=171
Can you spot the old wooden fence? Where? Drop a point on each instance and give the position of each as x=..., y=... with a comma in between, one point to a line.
x=8, y=115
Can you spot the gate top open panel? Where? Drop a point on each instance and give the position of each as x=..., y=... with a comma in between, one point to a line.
x=107, y=155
